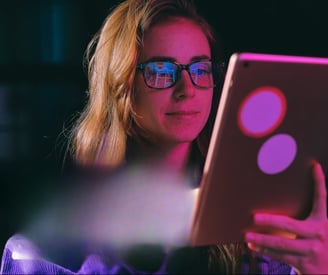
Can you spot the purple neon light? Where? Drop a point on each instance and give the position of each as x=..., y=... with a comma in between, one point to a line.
x=262, y=111
x=283, y=58
x=277, y=154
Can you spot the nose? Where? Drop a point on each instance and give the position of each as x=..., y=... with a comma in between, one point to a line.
x=184, y=87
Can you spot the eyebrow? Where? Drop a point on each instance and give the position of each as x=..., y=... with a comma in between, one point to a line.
x=169, y=58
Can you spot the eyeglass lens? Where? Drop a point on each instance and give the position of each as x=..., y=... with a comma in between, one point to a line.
x=164, y=74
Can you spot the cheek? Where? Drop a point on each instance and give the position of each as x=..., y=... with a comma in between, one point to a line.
x=147, y=100
x=148, y=107
x=207, y=103
x=147, y=104
x=140, y=98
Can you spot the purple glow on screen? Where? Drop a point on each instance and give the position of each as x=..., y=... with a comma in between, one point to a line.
x=277, y=154
x=262, y=111
x=282, y=58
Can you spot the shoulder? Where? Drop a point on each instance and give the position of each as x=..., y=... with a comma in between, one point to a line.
x=275, y=267
x=267, y=265
x=22, y=256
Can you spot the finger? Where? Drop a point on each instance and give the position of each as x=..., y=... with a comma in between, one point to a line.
x=297, y=247
x=282, y=225
x=319, y=209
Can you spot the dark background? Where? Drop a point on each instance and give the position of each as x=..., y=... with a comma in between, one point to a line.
x=43, y=82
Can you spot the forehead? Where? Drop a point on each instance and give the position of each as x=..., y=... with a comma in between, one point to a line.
x=177, y=38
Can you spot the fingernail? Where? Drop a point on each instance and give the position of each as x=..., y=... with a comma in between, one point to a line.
x=318, y=167
x=253, y=247
x=318, y=170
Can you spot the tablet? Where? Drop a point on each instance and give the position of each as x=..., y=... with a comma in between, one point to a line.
x=271, y=123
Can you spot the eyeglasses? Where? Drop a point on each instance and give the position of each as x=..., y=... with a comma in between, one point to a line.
x=165, y=74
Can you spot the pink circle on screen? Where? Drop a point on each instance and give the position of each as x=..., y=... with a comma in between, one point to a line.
x=277, y=154
x=262, y=111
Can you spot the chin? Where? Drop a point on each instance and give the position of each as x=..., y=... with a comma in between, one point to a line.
x=185, y=138
x=185, y=135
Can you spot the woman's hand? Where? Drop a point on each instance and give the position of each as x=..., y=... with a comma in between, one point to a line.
x=308, y=251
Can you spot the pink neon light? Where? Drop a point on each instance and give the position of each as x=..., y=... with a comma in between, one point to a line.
x=256, y=122
x=282, y=58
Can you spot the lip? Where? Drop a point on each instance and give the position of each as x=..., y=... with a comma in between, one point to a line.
x=182, y=113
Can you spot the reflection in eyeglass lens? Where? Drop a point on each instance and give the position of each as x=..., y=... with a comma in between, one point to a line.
x=164, y=74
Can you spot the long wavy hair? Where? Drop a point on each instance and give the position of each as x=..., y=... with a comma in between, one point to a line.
x=108, y=120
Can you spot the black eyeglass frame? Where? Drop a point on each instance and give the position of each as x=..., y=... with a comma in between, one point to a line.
x=141, y=67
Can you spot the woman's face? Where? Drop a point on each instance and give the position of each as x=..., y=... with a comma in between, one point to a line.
x=176, y=114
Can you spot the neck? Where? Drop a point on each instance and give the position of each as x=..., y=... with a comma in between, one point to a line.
x=173, y=156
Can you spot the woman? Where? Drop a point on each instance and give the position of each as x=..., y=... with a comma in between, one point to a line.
x=130, y=114
x=154, y=87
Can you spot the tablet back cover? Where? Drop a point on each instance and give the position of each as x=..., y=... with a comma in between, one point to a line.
x=272, y=122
